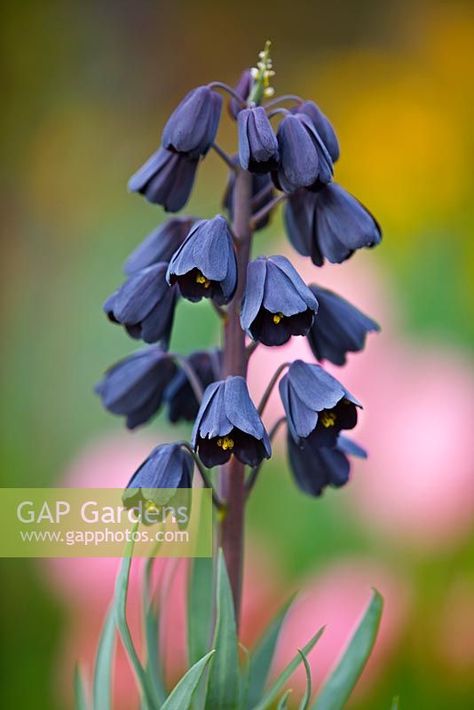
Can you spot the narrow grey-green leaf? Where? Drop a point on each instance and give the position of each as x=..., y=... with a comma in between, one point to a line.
x=287, y=672
x=120, y=610
x=283, y=704
x=199, y=608
x=395, y=703
x=80, y=693
x=223, y=682
x=181, y=696
x=104, y=660
x=151, y=626
x=307, y=696
x=341, y=682
x=262, y=656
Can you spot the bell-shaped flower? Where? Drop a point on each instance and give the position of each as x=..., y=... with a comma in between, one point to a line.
x=160, y=244
x=258, y=146
x=277, y=303
x=315, y=467
x=304, y=160
x=134, y=387
x=145, y=305
x=228, y=423
x=192, y=126
x=170, y=467
x=329, y=224
x=262, y=195
x=316, y=403
x=166, y=179
x=322, y=125
x=205, y=266
x=180, y=395
x=339, y=328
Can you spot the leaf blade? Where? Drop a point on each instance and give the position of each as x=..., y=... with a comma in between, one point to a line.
x=223, y=682
x=101, y=689
x=182, y=694
x=80, y=693
x=199, y=608
x=342, y=680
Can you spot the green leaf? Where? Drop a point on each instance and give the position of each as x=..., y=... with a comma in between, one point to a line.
x=103, y=664
x=80, y=694
x=283, y=704
x=395, y=703
x=307, y=696
x=284, y=676
x=181, y=696
x=223, y=682
x=199, y=608
x=120, y=609
x=151, y=626
x=340, y=684
x=262, y=656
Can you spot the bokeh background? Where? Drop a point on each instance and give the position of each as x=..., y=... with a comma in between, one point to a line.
x=86, y=89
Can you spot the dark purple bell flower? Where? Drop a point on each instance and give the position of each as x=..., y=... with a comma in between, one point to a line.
x=166, y=179
x=145, y=305
x=316, y=467
x=329, y=224
x=304, y=160
x=262, y=195
x=192, y=126
x=339, y=328
x=168, y=466
x=316, y=403
x=160, y=244
x=179, y=395
x=228, y=423
x=322, y=125
x=242, y=89
x=134, y=387
x=258, y=146
x=205, y=266
x=277, y=303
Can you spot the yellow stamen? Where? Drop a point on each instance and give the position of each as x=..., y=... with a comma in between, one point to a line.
x=200, y=279
x=150, y=506
x=225, y=443
x=328, y=419
x=277, y=318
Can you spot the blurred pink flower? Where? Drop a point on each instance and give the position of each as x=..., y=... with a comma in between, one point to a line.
x=336, y=598
x=417, y=486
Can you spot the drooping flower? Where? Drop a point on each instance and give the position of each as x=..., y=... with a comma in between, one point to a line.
x=192, y=126
x=160, y=244
x=205, y=266
x=166, y=179
x=314, y=467
x=168, y=466
x=262, y=195
x=228, y=423
x=258, y=146
x=277, y=303
x=180, y=396
x=304, y=160
x=322, y=125
x=316, y=403
x=145, y=305
x=134, y=387
x=329, y=224
x=242, y=89
x=339, y=328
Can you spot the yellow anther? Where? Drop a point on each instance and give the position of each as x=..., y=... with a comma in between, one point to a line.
x=328, y=419
x=277, y=317
x=225, y=443
x=150, y=506
x=200, y=279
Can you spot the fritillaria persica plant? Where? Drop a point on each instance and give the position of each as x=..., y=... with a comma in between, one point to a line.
x=287, y=150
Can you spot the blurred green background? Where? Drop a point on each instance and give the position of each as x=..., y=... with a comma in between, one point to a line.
x=86, y=89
